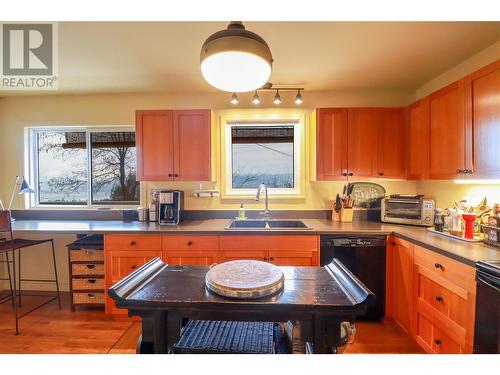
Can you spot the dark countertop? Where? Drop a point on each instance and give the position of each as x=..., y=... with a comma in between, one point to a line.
x=462, y=251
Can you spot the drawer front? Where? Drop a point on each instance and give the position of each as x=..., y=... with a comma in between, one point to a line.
x=87, y=269
x=190, y=258
x=132, y=242
x=433, y=339
x=86, y=298
x=88, y=284
x=190, y=243
x=86, y=255
x=294, y=258
x=268, y=243
x=226, y=256
x=441, y=266
x=442, y=300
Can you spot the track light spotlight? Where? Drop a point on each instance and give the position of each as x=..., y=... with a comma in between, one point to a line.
x=298, y=98
x=277, y=97
x=256, y=98
x=234, y=99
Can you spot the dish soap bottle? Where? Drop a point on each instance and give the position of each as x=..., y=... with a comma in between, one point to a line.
x=241, y=213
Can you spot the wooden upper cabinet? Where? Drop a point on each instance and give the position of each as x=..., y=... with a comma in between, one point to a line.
x=482, y=93
x=363, y=130
x=192, y=137
x=391, y=144
x=173, y=145
x=447, y=132
x=331, y=144
x=419, y=139
x=154, y=144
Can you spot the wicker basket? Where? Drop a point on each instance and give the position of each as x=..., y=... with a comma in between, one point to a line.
x=86, y=255
x=88, y=284
x=87, y=269
x=87, y=298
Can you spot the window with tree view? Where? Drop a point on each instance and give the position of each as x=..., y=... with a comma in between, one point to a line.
x=262, y=154
x=84, y=167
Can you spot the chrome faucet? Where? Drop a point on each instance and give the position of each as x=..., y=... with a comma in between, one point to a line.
x=257, y=197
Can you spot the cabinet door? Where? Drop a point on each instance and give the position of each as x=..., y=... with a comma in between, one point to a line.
x=294, y=258
x=331, y=144
x=392, y=145
x=447, y=142
x=363, y=132
x=402, y=283
x=228, y=255
x=482, y=90
x=190, y=258
x=123, y=262
x=155, y=145
x=419, y=132
x=192, y=145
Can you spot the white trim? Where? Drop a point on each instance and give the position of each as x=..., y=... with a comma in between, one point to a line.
x=298, y=142
x=31, y=163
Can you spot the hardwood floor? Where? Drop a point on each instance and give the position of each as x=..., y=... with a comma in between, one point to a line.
x=50, y=330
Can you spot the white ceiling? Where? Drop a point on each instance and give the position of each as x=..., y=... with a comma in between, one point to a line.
x=116, y=57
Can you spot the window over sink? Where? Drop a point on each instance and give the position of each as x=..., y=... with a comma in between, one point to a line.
x=264, y=151
x=83, y=166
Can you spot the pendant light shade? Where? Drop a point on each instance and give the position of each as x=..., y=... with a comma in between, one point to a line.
x=236, y=60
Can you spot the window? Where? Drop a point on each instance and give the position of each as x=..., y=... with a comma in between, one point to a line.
x=84, y=167
x=262, y=153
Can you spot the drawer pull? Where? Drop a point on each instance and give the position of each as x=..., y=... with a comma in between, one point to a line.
x=266, y=258
x=438, y=265
x=132, y=243
x=439, y=298
x=437, y=341
x=91, y=295
x=87, y=252
x=190, y=243
x=272, y=258
x=133, y=266
x=90, y=266
x=91, y=281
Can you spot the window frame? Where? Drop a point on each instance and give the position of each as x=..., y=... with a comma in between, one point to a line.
x=32, y=200
x=298, y=140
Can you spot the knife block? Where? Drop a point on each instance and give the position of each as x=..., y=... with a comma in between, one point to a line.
x=344, y=215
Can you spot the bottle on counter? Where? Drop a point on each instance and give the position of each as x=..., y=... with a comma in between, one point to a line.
x=438, y=220
x=241, y=213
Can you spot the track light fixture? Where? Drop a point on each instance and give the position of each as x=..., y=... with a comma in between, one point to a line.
x=234, y=99
x=298, y=97
x=277, y=98
x=256, y=98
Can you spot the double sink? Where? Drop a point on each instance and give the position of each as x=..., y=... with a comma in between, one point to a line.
x=268, y=225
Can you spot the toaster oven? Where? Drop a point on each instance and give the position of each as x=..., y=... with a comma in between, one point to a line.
x=408, y=209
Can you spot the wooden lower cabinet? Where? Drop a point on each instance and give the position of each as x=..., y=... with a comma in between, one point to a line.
x=126, y=253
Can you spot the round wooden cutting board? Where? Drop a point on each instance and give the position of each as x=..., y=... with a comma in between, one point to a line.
x=244, y=279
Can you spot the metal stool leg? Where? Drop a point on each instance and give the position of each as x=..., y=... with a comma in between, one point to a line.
x=14, y=290
x=20, y=278
x=10, y=278
x=55, y=274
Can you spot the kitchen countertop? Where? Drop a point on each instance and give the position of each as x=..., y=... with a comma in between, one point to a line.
x=462, y=251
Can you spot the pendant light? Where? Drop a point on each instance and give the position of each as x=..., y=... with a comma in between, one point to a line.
x=298, y=98
x=235, y=59
x=234, y=99
x=256, y=98
x=277, y=97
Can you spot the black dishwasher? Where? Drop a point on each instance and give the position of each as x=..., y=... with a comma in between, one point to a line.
x=365, y=258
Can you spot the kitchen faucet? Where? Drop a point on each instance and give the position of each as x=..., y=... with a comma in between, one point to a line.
x=266, y=211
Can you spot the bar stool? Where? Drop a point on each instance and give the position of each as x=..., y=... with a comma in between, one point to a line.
x=11, y=244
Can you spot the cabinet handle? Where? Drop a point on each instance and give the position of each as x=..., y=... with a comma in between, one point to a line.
x=266, y=258
x=132, y=243
x=459, y=171
x=176, y=175
x=344, y=174
x=170, y=175
x=91, y=295
x=351, y=174
x=272, y=258
x=437, y=341
x=380, y=173
x=133, y=266
x=189, y=243
x=90, y=266
x=438, y=265
x=393, y=243
x=439, y=298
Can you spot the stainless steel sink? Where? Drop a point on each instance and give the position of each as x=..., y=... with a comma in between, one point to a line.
x=267, y=225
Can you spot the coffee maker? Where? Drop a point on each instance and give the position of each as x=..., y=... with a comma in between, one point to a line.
x=171, y=207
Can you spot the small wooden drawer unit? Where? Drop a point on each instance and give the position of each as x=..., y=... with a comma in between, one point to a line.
x=86, y=271
x=445, y=299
